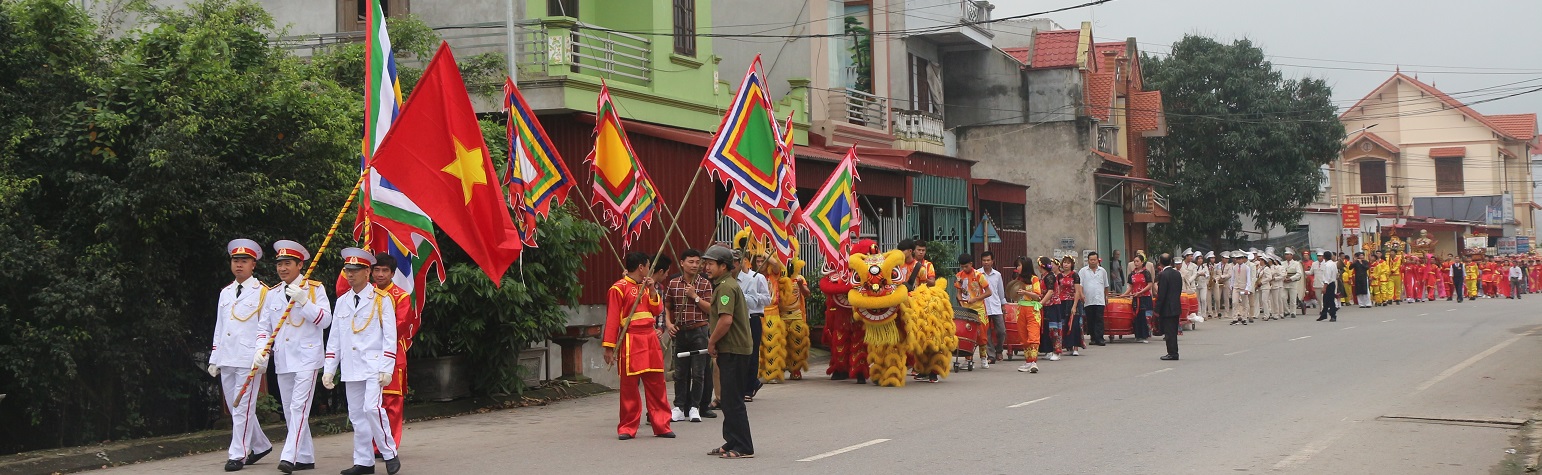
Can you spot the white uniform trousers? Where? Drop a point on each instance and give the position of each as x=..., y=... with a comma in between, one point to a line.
x=371, y=429
x=1293, y=296
x=1266, y=301
x=246, y=435
x=1203, y=294
x=297, y=391
x=1239, y=303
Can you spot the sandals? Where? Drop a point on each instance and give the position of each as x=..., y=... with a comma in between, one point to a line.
x=734, y=454
x=717, y=452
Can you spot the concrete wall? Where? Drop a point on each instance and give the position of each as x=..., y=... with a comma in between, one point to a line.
x=460, y=12
x=1052, y=159
x=983, y=87
x=1053, y=94
x=781, y=60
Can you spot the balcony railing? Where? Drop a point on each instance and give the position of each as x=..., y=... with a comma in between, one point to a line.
x=858, y=108
x=1144, y=199
x=918, y=125
x=1372, y=199
x=976, y=13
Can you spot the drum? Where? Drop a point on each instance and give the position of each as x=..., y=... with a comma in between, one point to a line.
x=968, y=330
x=1189, y=303
x=1118, y=317
x=1014, y=327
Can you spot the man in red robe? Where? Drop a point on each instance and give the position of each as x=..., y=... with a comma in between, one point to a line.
x=394, y=396
x=632, y=345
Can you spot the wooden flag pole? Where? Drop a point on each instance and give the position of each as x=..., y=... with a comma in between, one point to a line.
x=626, y=321
x=268, y=347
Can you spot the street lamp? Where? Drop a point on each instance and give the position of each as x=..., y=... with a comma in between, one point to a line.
x=1338, y=185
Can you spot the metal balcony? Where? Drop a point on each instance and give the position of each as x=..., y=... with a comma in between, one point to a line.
x=858, y=108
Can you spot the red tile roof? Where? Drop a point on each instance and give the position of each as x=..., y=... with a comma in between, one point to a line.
x=1145, y=111
x=1518, y=125
x=1448, y=152
x=1020, y=54
x=1055, y=49
x=1114, y=158
x=1383, y=143
x=1097, y=53
x=1100, y=95
x=1455, y=104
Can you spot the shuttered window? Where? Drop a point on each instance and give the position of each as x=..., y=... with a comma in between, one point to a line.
x=1373, y=177
x=1448, y=175
x=685, y=27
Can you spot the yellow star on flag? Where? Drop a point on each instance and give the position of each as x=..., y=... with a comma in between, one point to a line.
x=467, y=167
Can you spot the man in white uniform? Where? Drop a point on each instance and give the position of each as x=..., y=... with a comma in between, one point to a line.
x=362, y=350
x=297, y=349
x=1295, y=283
x=238, y=333
x=1242, y=285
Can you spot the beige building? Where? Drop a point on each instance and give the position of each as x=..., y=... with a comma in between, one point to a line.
x=1418, y=158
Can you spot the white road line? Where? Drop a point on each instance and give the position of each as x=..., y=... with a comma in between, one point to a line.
x=1346, y=328
x=1236, y=353
x=1306, y=453
x=1163, y=370
x=1469, y=362
x=1388, y=320
x=1450, y=310
x=1423, y=314
x=1021, y=404
x=836, y=452
x=1301, y=338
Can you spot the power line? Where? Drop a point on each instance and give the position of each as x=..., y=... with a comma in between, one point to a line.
x=899, y=32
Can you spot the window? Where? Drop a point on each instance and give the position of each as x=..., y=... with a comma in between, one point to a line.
x=1373, y=176
x=353, y=15
x=567, y=8
x=1004, y=216
x=685, y=27
x=1448, y=175
x=920, y=90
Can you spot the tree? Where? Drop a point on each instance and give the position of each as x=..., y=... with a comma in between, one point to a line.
x=1241, y=139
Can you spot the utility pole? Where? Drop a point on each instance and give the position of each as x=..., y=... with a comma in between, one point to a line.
x=510, y=43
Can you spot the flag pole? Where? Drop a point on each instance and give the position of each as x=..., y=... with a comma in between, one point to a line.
x=608, y=245
x=332, y=231
x=626, y=323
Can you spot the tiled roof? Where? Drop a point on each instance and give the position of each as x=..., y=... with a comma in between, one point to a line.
x=1020, y=54
x=1097, y=53
x=1448, y=152
x=1114, y=158
x=1055, y=49
x=1146, y=113
x=1100, y=96
x=1522, y=126
x=1366, y=134
x=1455, y=104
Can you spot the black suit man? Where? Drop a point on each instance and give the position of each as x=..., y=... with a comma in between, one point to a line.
x=1169, y=305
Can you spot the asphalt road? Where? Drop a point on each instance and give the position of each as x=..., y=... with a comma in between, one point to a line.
x=1294, y=396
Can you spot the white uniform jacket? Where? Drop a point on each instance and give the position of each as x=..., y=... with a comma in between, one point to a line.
x=238, y=325
x=364, y=342
x=299, y=346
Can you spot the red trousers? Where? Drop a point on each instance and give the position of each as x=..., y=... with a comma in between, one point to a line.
x=632, y=403
x=393, y=398
x=848, y=349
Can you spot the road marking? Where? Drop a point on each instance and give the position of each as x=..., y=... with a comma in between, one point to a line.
x=1306, y=453
x=1470, y=361
x=1450, y=310
x=1301, y=338
x=1423, y=314
x=1346, y=328
x=1236, y=352
x=1163, y=370
x=1021, y=404
x=1388, y=320
x=836, y=452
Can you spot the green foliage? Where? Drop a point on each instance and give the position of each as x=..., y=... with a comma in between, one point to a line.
x=1241, y=139
x=468, y=315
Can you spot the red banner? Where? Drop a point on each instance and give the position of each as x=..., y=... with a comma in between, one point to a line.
x=1351, y=214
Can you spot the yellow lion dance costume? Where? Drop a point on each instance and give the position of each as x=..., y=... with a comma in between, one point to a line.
x=773, y=339
x=791, y=291
x=899, y=322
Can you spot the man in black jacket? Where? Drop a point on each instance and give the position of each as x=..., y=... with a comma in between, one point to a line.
x=1458, y=278
x=1169, y=305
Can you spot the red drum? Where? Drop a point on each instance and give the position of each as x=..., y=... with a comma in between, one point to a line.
x=1014, y=327
x=1189, y=303
x=968, y=331
x=1119, y=317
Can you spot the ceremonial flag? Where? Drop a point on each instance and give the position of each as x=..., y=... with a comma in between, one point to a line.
x=763, y=225
x=408, y=231
x=614, y=165
x=789, y=220
x=746, y=151
x=832, y=216
x=442, y=164
x=540, y=173
x=641, y=214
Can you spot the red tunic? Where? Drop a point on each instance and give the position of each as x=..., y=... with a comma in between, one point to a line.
x=641, y=352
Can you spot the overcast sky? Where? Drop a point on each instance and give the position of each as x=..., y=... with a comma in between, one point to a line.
x=1459, y=46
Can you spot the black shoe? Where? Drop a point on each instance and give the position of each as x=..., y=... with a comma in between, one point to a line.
x=839, y=376
x=934, y=378
x=1333, y=320
x=394, y=465
x=285, y=466
x=253, y=458
x=666, y=435
x=1101, y=343
x=358, y=470
x=861, y=380
x=707, y=413
x=624, y=437
x=1169, y=357
x=233, y=465
x=1321, y=318
x=305, y=466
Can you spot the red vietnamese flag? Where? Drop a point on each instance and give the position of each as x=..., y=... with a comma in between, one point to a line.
x=435, y=155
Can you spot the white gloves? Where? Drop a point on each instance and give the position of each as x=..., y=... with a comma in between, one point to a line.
x=297, y=295
x=327, y=380
x=214, y=371
x=385, y=379
x=260, y=360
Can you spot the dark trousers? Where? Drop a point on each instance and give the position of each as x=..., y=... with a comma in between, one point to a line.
x=693, y=374
x=736, y=373
x=1330, y=302
x=998, y=334
x=1517, y=287
x=1095, y=322
x=1048, y=341
x=756, y=332
x=1143, y=311
x=1461, y=289
x=1169, y=326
